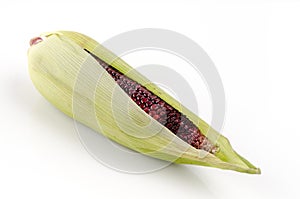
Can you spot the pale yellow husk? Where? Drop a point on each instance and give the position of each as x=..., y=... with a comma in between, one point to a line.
x=76, y=84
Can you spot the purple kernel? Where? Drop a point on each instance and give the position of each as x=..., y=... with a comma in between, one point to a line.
x=159, y=110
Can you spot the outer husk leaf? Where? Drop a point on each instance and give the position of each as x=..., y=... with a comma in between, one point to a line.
x=76, y=84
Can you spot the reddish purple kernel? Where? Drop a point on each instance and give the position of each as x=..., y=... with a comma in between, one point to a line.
x=35, y=41
x=158, y=109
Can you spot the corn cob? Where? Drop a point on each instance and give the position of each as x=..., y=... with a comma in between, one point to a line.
x=55, y=64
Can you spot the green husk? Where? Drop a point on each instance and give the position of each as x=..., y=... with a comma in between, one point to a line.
x=73, y=81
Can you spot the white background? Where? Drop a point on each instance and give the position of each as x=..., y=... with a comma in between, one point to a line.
x=255, y=46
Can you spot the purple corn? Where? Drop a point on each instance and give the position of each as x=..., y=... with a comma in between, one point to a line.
x=158, y=109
